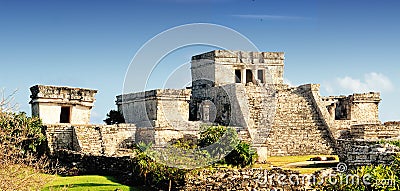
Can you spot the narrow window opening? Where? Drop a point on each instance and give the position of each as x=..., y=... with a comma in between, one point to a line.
x=249, y=76
x=65, y=116
x=260, y=75
x=238, y=76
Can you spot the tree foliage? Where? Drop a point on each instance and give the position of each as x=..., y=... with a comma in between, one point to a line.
x=114, y=117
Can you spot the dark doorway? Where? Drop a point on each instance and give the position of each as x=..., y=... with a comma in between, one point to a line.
x=260, y=75
x=65, y=115
x=238, y=76
x=249, y=76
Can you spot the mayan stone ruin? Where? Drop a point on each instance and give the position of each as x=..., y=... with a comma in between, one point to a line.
x=62, y=104
x=243, y=90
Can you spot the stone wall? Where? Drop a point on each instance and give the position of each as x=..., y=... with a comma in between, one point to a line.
x=111, y=139
x=245, y=179
x=91, y=139
x=359, y=152
x=163, y=107
x=374, y=131
x=393, y=127
x=60, y=137
x=78, y=163
x=365, y=107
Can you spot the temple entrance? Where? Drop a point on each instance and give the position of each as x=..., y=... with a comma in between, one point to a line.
x=238, y=76
x=65, y=115
x=249, y=76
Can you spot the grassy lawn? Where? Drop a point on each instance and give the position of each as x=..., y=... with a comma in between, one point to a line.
x=282, y=161
x=87, y=182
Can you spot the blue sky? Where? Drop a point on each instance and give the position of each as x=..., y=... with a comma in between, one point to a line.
x=346, y=46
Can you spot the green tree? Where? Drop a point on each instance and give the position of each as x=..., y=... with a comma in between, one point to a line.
x=114, y=117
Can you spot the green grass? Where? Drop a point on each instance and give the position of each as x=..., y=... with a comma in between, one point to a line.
x=282, y=161
x=87, y=182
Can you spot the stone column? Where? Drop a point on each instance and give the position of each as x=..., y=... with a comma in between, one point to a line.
x=255, y=76
x=243, y=76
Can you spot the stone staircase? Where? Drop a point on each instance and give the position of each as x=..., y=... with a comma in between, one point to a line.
x=298, y=127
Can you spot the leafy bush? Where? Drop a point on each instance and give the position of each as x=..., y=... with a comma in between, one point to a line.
x=155, y=174
x=19, y=132
x=392, y=142
x=215, y=139
x=211, y=135
x=186, y=142
x=242, y=154
x=21, y=144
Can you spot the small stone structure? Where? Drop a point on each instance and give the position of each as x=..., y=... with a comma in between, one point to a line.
x=62, y=104
x=361, y=152
x=159, y=115
x=161, y=107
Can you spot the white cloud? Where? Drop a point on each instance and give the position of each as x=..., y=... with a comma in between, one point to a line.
x=288, y=82
x=271, y=17
x=372, y=82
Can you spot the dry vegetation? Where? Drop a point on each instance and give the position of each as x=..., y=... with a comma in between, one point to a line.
x=20, y=137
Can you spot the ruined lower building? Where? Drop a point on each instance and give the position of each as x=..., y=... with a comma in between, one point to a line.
x=244, y=90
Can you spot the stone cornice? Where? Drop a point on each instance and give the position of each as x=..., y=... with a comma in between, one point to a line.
x=62, y=95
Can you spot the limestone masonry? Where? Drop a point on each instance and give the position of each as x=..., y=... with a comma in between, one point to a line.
x=62, y=104
x=244, y=90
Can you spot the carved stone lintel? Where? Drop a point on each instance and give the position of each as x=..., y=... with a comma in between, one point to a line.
x=62, y=94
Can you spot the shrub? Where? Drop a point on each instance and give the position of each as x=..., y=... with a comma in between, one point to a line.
x=186, y=142
x=21, y=144
x=211, y=135
x=392, y=142
x=155, y=174
x=380, y=177
x=22, y=133
x=242, y=154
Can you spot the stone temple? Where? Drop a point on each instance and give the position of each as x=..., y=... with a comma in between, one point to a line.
x=244, y=90
x=62, y=104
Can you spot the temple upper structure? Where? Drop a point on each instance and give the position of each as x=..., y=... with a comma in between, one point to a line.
x=55, y=104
